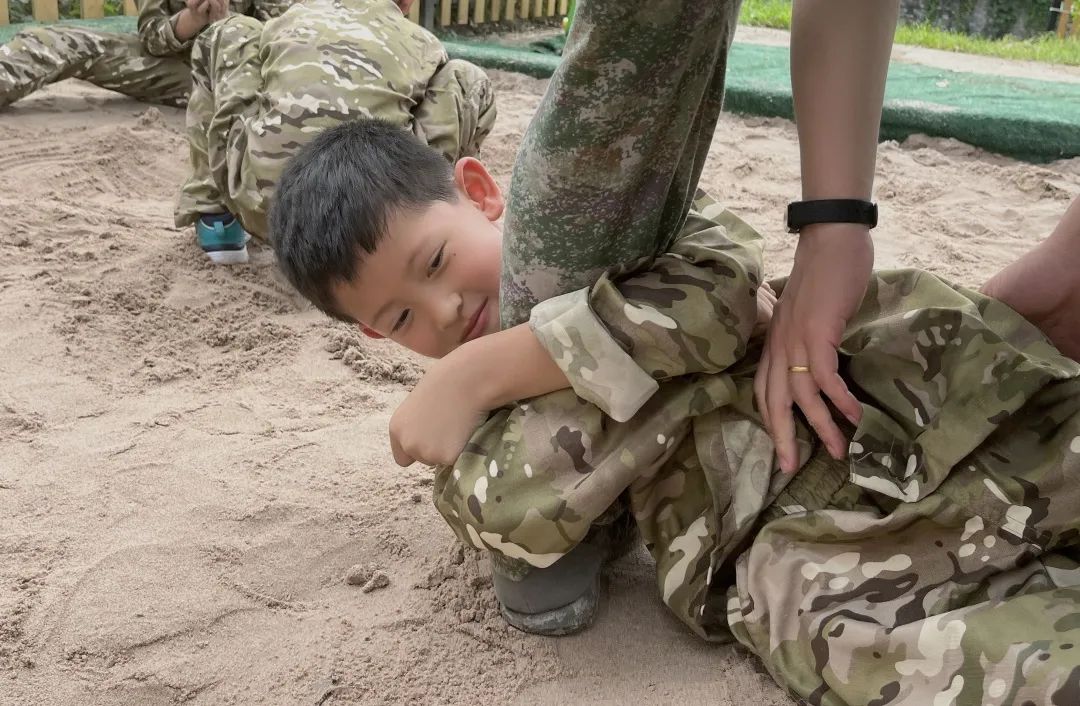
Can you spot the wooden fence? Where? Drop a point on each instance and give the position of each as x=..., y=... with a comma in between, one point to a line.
x=432, y=13
x=1066, y=17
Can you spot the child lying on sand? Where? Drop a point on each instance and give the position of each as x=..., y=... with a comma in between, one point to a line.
x=939, y=558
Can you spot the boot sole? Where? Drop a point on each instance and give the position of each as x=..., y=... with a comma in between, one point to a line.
x=569, y=619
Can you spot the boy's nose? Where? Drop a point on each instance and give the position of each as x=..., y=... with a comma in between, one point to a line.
x=448, y=310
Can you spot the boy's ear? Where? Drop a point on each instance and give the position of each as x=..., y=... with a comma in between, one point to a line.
x=370, y=332
x=476, y=182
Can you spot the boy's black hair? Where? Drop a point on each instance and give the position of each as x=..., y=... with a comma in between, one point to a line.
x=336, y=195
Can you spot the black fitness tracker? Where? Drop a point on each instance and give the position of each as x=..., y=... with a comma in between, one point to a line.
x=803, y=213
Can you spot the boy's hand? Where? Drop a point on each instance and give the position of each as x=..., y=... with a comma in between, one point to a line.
x=438, y=417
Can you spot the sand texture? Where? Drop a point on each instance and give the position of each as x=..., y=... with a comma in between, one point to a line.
x=197, y=500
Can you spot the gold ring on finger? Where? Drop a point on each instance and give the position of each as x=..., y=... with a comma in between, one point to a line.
x=798, y=369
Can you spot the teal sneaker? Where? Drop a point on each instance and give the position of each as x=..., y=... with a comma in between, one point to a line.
x=223, y=239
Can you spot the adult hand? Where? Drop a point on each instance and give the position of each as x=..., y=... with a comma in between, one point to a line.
x=832, y=268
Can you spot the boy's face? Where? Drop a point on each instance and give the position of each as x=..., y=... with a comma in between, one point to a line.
x=433, y=282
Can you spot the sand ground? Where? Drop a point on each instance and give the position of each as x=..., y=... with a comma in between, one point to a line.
x=191, y=459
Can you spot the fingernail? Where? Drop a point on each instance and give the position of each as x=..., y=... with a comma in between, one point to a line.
x=853, y=419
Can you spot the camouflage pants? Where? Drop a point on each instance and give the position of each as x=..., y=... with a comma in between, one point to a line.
x=226, y=117
x=968, y=595
x=39, y=56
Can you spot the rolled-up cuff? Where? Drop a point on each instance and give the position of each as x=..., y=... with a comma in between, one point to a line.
x=598, y=368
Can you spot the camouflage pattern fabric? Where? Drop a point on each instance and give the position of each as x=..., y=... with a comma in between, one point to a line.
x=938, y=561
x=260, y=93
x=38, y=56
x=938, y=564
x=150, y=67
x=617, y=145
x=157, y=20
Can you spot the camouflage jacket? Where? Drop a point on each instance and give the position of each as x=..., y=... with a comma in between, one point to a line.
x=661, y=410
x=157, y=22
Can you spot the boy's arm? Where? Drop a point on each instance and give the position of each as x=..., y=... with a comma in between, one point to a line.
x=458, y=391
x=691, y=310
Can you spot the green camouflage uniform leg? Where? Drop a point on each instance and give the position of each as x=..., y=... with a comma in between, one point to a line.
x=458, y=110
x=39, y=56
x=607, y=170
x=225, y=83
x=609, y=165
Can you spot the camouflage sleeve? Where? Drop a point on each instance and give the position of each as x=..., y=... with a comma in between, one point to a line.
x=457, y=111
x=691, y=310
x=157, y=31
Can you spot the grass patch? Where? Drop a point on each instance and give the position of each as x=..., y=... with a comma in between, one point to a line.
x=1047, y=48
x=766, y=13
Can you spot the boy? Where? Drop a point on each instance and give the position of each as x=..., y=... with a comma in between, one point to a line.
x=939, y=560
x=260, y=93
x=152, y=66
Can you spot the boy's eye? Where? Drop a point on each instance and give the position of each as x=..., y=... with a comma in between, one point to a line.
x=401, y=321
x=437, y=260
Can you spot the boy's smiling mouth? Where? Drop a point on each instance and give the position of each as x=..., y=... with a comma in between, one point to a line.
x=477, y=324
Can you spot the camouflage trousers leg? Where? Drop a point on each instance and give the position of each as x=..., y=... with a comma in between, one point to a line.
x=39, y=56
x=458, y=110
x=226, y=79
x=969, y=596
x=609, y=166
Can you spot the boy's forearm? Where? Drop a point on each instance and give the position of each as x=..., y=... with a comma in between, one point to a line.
x=839, y=59
x=508, y=366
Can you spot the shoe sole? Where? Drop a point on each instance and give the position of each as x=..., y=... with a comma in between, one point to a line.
x=569, y=619
x=229, y=257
